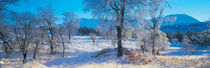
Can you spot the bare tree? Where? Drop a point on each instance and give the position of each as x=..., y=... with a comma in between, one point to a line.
x=48, y=17
x=107, y=32
x=61, y=30
x=43, y=33
x=5, y=34
x=37, y=35
x=71, y=23
x=112, y=9
x=23, y=29
x=112, y=36
x=156, y=12
x=5, y=31
x=93, y=37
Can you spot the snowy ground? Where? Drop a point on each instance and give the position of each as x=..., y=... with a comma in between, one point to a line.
x=79, y=52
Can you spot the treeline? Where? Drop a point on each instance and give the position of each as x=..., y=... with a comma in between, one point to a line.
x=87, y=31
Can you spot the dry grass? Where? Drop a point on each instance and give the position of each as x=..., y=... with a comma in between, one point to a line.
x=136, y=57
x=130, y=56
x=192, y=63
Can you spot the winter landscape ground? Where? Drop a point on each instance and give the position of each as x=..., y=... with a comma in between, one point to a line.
x=104, y=34
x=79, y=52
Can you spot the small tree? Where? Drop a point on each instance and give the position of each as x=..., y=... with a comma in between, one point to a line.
x=5, y=29
x=37, y=37
x=62, y=36
x=43, y=33
x=23, y=30
x=6, y=35
x=93, y=37
x=71, y=23
x=107, y=32
x=145, y=41
x=48, y=18
x=36, y=41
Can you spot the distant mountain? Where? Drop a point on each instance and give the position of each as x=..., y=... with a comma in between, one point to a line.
x=183, y=23
x=181, y=19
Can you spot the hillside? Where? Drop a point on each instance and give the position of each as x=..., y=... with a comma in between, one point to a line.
x=183, y=23
x=182, y=19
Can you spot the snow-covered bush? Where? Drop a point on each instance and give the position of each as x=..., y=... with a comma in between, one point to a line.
x=161, y=41
x=186, y=44
x=145, y=40
x=206, y=37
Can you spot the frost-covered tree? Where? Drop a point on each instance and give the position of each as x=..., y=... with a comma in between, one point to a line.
x=48, y=18
x=114, y=10
x=43, y=33
x=61, y=31
x=37, y=37
x=93, y=37
x=5, y=31
x=156, y=10
x=145, y=40
x=161, y=42
x=23, y=30
x=112, y=36
x=107, y=30
x=36, y=40
x=71, y=22
x=124, y=12
x=5, y=37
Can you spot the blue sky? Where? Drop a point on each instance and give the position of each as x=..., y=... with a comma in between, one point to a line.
x=199, y=9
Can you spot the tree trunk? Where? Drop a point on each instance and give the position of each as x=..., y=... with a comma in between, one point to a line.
x=69, y=36
x=35, y=50
x=153, y=49
x=62, y=44
x=93, y=42
x=153, y=42
x=51, y=47
x=51, y=39
x=63, y=49
x=24, y=57
x=119, y=29
x=6, y=44
x=158, y=52
x=119, y=42
x=6, y=49
x=143, y=48
x=51, y=43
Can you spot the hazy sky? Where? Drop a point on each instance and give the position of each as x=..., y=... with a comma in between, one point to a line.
x=199, y=9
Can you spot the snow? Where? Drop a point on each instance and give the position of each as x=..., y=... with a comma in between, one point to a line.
x=79, y=52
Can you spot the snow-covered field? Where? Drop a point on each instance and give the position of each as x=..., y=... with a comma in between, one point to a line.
x=79, y=52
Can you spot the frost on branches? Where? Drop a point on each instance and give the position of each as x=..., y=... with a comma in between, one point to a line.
x=145, y=37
